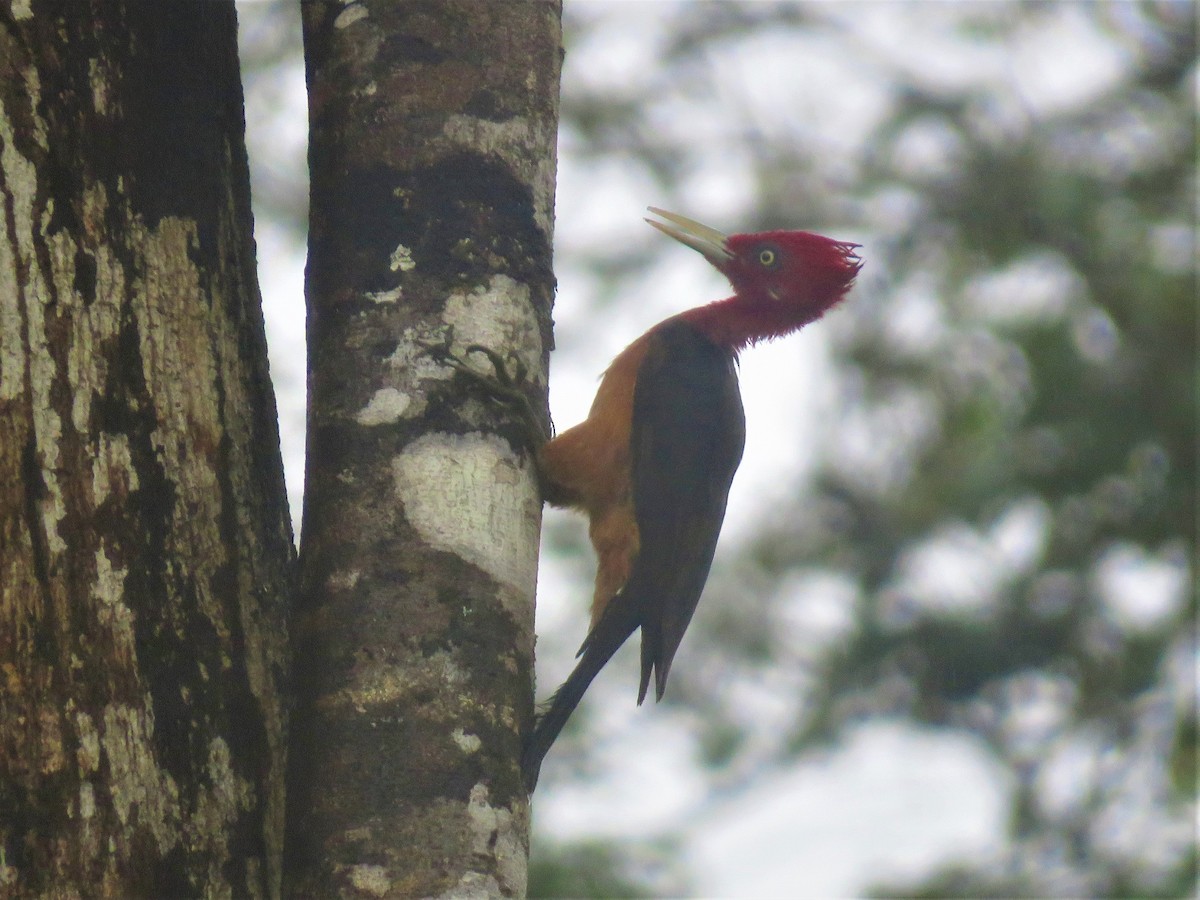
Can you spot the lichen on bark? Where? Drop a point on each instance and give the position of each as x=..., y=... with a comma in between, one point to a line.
x=144, y=536
x=432, y=156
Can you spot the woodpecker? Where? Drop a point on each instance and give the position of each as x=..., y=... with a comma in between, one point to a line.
x=653, y=462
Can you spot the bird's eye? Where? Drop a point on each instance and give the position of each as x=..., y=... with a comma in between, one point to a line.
x=767, y=257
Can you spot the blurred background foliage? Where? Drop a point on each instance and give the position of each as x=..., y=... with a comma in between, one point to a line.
x=993, y=530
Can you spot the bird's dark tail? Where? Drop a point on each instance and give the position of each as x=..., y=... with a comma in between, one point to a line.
x=620, y=620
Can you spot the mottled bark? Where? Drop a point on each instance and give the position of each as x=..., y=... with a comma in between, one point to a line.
x=144, y=536
x=433, y=161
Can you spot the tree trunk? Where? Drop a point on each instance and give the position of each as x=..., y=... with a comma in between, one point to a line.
x=432, y=155
x=144, y=536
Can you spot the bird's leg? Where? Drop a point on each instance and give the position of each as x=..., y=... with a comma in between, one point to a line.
x=502, y=385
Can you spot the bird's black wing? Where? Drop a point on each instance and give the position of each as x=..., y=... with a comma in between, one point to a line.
x=687, y=438
x=686, y=443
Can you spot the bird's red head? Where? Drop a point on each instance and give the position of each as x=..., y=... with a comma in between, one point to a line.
x=782, y=280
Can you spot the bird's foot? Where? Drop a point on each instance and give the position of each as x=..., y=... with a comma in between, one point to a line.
x=501, y=384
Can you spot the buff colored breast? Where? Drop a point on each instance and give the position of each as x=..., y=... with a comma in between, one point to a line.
x=587, y=467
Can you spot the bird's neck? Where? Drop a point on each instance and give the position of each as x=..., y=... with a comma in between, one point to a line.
x=738, y=322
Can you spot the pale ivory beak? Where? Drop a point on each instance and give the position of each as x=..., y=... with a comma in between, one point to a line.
x=691, y=233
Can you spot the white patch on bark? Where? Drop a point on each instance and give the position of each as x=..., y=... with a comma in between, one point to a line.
x=33, y=300
x=109, y=586
x=411, y=363
x=97, y=319
x=496, y=315
x=33, y=88
x=371, y=880
x=113, y=613
x=22, y=10
x=386, y=406
x=495, y=832
x=392, y=296
x=87, y=754
x=467, y=743
x=402, y=259
x=521, y=146
x=350, y=15
x=379, y=684
x=100, y=86
x=21, y=186
x=466, y=495
x=87, y=800
x=112, y=468
x=141, y=792
x=48, y=430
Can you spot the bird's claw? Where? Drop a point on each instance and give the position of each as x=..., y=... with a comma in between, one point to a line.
x=501, y=378
x=501, y=384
